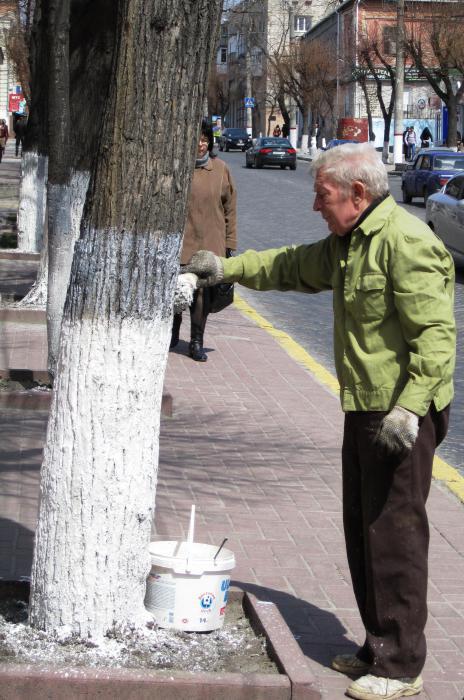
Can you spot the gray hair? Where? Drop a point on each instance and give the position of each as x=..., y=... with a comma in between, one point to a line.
x=349, y=162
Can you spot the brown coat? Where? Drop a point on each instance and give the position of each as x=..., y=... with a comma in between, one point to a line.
x=212, y=211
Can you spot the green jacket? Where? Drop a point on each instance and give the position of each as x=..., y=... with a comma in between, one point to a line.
x=393, y=295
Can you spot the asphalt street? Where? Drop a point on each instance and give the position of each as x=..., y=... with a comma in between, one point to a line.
x=275, y=209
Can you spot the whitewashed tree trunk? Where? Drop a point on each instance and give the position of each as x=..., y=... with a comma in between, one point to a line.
x=99, y=477
x=98, y=481
x=32, y=201
x=67, y=203
x=304, y=143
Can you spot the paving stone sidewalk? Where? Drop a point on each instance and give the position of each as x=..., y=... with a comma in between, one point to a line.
x=254, y=442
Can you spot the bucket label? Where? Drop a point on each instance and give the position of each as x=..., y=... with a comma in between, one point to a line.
x=207, y=601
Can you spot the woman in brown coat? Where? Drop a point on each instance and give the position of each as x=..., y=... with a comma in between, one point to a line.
x=211, y=225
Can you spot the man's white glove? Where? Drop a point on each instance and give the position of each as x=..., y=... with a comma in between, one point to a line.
x=398, y=431
x=207, y=266
x=183, y=296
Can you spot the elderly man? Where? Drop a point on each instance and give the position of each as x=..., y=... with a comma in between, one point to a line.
x=394, y=336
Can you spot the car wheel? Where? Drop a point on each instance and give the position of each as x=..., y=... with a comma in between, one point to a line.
x=282, y=167
x=258, y=164
x=293, y=167
x=406, y=197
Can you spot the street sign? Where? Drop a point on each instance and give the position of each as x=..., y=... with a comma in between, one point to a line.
x=249, y=101
x=14, y=102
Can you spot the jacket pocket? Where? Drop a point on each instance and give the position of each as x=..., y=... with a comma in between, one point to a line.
x=370, y=298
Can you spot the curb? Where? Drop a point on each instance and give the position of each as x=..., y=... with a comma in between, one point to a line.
x=37, y=400
x=19, y=255
x=19, y=314
x=295, y=682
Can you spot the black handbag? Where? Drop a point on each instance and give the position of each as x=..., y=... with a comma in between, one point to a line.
x=221, y=295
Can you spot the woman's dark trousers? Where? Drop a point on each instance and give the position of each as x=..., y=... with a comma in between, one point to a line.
x=387, y=539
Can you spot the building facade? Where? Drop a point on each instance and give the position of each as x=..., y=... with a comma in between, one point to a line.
x=255, y=35
x=349, y=30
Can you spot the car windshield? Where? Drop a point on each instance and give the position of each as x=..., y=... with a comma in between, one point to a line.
x=448, y=162
x=276, y=142
x=236, y=132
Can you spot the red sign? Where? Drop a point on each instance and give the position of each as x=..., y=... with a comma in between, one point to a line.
x=13, y=101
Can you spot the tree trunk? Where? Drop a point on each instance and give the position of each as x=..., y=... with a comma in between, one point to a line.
x=452, y=137
x=60, y=242
x=386, y=136
x=98, y=479
x=305, y=130
x=32, y=193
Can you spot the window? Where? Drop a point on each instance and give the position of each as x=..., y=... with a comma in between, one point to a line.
x=455, y=188
x=223, y=54
x=302, y=23
x=389, y=40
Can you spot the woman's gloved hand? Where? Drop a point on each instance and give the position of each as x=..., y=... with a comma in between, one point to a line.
x=398, y=431
x=207, y=267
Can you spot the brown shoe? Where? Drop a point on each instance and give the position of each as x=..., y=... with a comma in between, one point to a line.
x=350, y=664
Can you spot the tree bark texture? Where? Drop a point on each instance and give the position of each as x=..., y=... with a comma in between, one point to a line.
x=60, y=240
x=98, y=479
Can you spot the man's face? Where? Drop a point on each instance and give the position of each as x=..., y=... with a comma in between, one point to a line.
x=339, y=209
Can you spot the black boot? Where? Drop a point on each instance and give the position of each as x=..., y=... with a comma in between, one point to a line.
x=196, y=351
x=175, y=330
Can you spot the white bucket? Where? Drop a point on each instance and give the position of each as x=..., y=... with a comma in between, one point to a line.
x=187, y=588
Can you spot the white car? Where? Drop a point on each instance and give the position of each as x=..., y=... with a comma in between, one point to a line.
x=445, y=214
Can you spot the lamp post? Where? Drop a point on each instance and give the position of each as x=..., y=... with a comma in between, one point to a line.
x=399, y=85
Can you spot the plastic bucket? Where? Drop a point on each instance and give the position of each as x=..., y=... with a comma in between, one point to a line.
x=186, y=588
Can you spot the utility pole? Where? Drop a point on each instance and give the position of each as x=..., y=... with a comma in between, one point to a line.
x=291, y=102
x=399, y=84
x=248, y=88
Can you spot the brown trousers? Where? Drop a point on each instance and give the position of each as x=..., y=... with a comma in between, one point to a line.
x=387, y=539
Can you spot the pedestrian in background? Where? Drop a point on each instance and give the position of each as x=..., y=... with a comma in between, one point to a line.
x=19, y=127
x=395, y=343
x=410, y=140
x=211, y=225
x=285, y=131
x=276, y=131
x=3, y=137
x=426, y=137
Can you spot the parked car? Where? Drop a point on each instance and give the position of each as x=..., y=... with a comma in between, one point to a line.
x=445, y=214
x=234, y=138
x=337, y=142
x=271, y=150
x=429, y=172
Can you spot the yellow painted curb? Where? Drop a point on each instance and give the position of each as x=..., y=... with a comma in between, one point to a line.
x=441, y=470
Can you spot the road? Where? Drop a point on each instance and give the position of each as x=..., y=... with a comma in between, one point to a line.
x=275, y=209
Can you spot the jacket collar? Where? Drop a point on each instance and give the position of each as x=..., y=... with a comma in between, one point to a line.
x=377, y=218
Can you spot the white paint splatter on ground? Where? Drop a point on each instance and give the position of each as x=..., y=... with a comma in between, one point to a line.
x=234, y=648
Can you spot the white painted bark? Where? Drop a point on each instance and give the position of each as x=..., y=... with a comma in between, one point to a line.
x=304, y=143
x=32, y=201
x=37, y=295
x=98, y=478
x=67, y=204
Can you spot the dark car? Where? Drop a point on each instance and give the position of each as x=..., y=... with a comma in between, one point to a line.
x=271, y=150
x=337, y=142
x=430, y=171
x=234, y=138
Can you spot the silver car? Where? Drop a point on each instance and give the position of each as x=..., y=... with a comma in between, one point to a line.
x=445, y=214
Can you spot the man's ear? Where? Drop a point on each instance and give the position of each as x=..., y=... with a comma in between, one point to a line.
x=358, y=190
